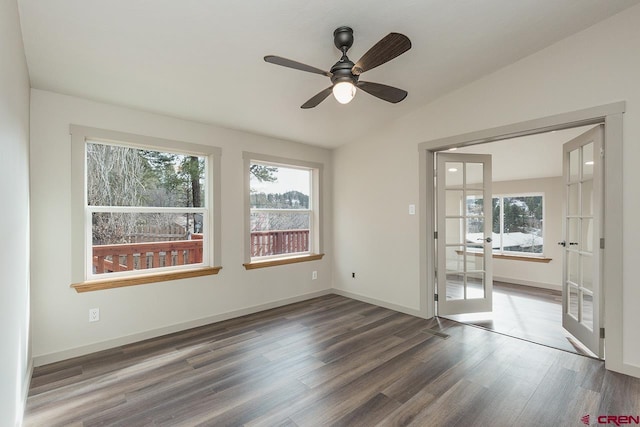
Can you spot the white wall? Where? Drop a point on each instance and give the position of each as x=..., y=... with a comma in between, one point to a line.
x=60, y=315
x=14, y=217
x=545, y=275
x=377, y=176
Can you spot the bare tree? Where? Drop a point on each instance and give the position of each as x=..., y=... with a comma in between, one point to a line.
x=114, y=178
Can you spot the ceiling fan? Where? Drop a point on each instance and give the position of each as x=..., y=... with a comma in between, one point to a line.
x=345, y=75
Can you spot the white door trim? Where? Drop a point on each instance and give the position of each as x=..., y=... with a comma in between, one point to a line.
x=611, y=116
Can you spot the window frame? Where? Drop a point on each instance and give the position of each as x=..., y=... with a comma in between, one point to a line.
x=83, y=278
x=507, y=253
x=315, y=208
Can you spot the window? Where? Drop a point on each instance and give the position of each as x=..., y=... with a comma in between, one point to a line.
x=146, y=208
x=518, y=224
x=283, y=210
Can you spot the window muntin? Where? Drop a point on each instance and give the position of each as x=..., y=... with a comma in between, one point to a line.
x=281, y=216
x=146, y=210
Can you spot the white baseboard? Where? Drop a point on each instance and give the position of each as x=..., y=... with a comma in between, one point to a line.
x=141, y=336
x=542, y=285
x=379, y=303
x=623, y=368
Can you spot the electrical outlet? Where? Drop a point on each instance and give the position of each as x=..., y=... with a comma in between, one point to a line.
x=94, y=314
x=314, y=275
x=353, y=275
x=412, y=209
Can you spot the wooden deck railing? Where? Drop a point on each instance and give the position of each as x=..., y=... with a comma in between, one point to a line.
x=141, y=256
x=276, y=242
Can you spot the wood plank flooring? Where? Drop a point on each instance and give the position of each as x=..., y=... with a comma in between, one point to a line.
x=329, y=361
x=528, y=313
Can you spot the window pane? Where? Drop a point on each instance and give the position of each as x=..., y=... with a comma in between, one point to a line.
x=586, y=241
x=587, y=310
x=455, y=286
x=453, y=202
x=454, y=231
x=125, y=176
x=587, y=198
x=279, y=220
x=474, y=178
x=586, y=264
x=573, y=207
x=138, y=241
x=574, y=165
x=475, y=261
x=454, y=258
x=475, y=203
x=572, y=306
x=587, y=161
x=453, y=175
x=475, y=286
x=276, y=233
x=573, y=269
x=280, y=202
x=522, y=217
x=475, y=233
x=495, y=202
x=279, y=187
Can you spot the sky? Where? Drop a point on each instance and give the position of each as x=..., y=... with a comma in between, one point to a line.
x=288, y=180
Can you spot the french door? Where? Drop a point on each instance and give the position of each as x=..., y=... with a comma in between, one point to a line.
x=582, y=232
x=464, y=236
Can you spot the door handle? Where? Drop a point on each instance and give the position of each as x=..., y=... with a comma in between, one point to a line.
x=563, y=243
x=488, y=239
x=573, y=243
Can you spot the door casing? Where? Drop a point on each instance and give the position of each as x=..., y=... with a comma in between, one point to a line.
x=611, y=115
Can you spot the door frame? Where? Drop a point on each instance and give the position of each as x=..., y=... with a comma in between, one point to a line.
x=611, y=115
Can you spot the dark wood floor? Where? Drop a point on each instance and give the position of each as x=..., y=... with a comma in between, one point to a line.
x=526, y=312
x=329, y=361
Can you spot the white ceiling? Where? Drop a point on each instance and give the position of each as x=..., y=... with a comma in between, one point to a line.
x=202, y=60
x=527, y=157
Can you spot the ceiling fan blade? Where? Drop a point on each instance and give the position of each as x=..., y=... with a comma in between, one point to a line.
x=317, y=99
x=391, y=46
x=384, y=92
x=278, y=60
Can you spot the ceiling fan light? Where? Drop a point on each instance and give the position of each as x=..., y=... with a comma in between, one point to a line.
x=344, y=92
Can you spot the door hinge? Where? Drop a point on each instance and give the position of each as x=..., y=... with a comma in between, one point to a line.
x=435, y=234
x=601, y=333
x=602, y=243
x=435, y=297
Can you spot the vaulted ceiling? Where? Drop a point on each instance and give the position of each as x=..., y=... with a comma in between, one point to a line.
x=202, y=60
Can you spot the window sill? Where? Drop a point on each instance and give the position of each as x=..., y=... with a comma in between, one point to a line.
x=522, y=258
x=511, y=257
x=142, y=279
x=282, y=261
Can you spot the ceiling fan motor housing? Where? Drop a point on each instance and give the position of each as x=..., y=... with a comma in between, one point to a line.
x=341, y=72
